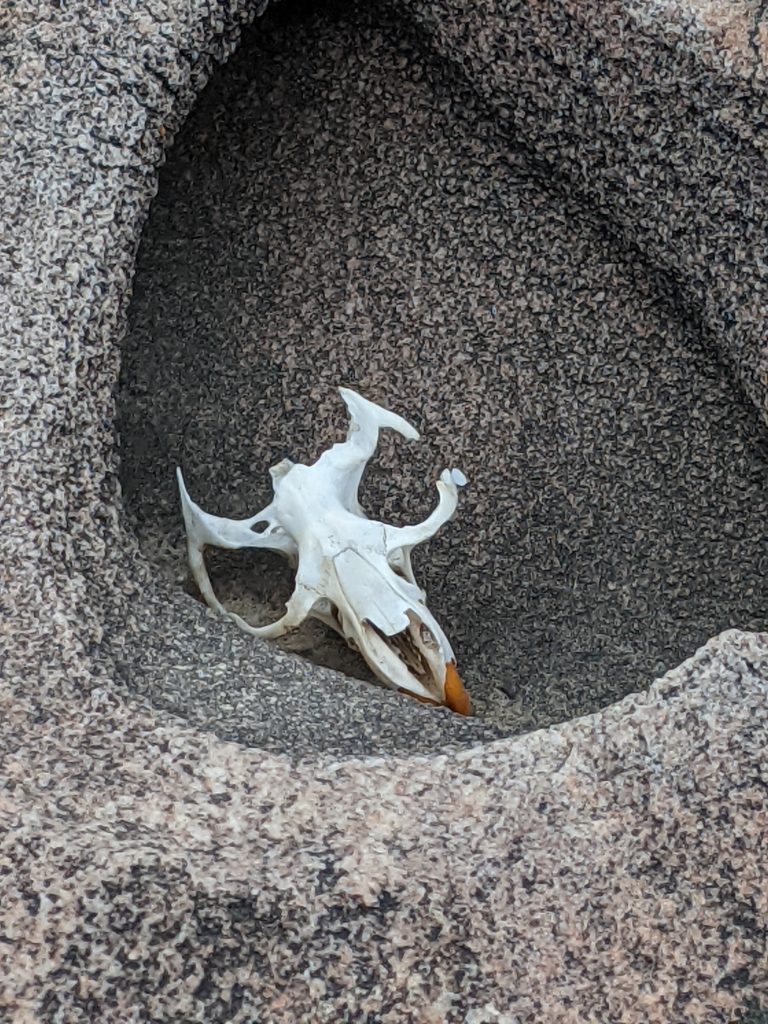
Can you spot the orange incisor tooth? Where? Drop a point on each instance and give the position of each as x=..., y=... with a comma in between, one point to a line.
x=456, y=697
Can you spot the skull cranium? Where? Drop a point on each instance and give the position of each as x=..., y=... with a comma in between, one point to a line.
x=352, y=573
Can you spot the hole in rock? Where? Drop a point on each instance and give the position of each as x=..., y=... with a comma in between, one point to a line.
x=340, y=209
x=256, y=585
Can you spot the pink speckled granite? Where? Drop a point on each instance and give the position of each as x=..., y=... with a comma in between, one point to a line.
x=609, y=869
x=612, y=869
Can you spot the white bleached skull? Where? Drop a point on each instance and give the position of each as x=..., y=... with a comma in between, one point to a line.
x=352, y=573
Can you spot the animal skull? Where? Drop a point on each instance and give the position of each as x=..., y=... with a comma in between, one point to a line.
x=353, y=573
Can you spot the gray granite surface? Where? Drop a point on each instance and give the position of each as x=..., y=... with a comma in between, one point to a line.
x=166, y=856
x=341, y=208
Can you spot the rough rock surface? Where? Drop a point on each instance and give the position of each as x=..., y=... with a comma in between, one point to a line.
x=609, y=868
x=341, y=207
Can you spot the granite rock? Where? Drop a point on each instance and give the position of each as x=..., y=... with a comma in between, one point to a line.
x=164, y=858
x=343, y=206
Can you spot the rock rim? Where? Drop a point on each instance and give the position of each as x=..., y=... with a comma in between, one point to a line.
x=609, y=868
